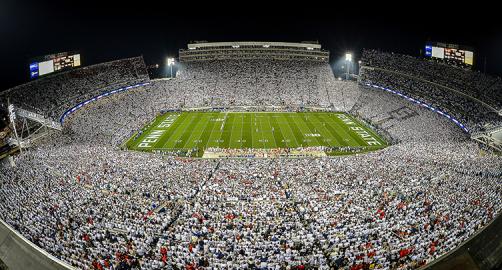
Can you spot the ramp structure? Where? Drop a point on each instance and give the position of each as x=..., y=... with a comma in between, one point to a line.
x=29, y=126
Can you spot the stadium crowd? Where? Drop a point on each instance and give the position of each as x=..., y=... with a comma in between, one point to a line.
x=438, y=85
x=257, y=82
x=96, y=207
x=52, y=95
x=472, y=83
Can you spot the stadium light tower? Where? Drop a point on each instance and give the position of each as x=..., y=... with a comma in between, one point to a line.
x=170, y=63
x=348, y=59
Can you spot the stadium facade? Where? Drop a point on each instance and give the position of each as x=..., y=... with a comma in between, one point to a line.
x=206, y=51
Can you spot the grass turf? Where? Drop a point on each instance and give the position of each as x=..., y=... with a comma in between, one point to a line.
x=268, y=130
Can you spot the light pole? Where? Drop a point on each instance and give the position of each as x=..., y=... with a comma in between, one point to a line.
x=170, y=63
x=348, y=59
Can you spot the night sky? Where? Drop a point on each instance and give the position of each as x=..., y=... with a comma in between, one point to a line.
x=101, y=33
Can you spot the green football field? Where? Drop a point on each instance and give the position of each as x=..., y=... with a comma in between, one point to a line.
x=197, y=131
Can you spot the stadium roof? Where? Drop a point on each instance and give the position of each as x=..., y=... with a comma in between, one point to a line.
x=254, y=43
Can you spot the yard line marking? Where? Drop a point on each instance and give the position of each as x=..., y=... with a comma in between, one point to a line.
x=317, y=130
x=200, y=134
x=176, y=134
x=292, y=133
x=270, y=125
x=332, y=136
x=286, y=139
x=261, y=133
x=231, y=131
x=210, y=135
x=184, y=130
x=301, y=126
x=252, y=128
x=242, y=129
x=172, y=128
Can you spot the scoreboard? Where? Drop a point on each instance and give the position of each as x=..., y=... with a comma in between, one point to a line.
x=53, y=63
x=450, y=52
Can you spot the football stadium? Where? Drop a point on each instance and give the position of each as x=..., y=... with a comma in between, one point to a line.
x=253, y=155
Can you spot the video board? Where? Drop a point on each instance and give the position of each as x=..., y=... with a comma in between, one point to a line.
x=450, y=52
x=53, y=63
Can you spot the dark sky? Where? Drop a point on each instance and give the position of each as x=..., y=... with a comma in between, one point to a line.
x=101, y=33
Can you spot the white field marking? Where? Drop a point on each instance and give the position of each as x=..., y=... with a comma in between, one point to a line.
x=200, y=135
x=167, y=122
x=321, y=118
x=231, y=133
x=224, y=121
x=295, y=121
x=231, y=130
x=169, y=134
x=263, y=140
x=252, y=145
x=242, y=130
x=286, y=141
x=312, y=135
x=270, y=125
x=264, y=112
x=210, y=135
x=292, y=134
x=138, y=142
x=184, y=130
x=149, y=140
x=334, y=124
x=374, y=136
x=316, y=134
x=348, y=137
